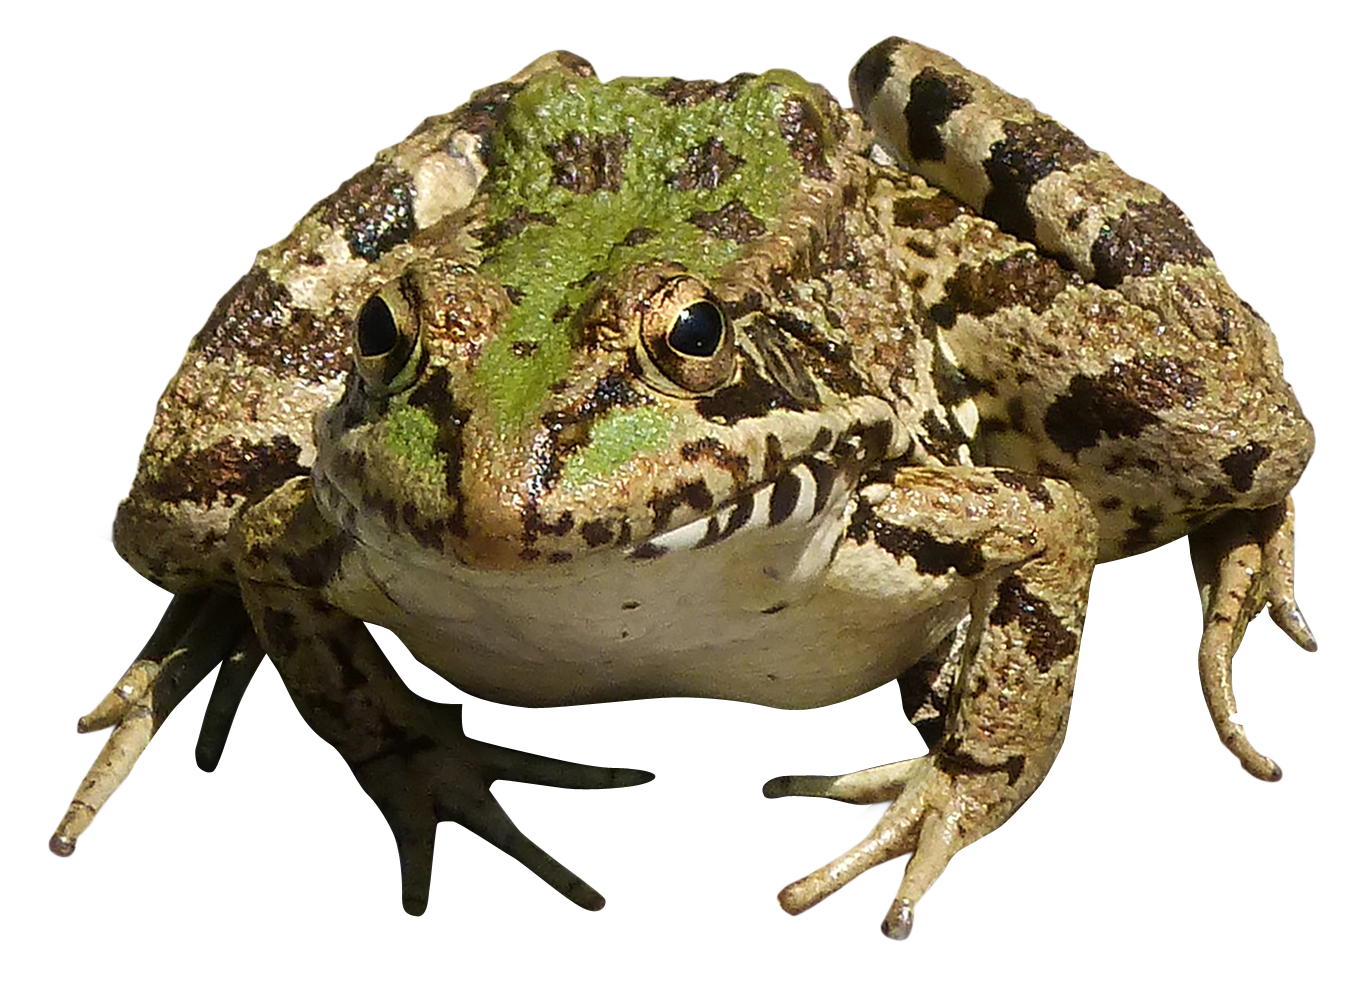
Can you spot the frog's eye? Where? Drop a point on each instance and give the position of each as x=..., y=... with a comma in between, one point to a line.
x=688, y=338
x=385, y=341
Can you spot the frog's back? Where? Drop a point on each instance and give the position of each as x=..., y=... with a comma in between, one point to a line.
x=236, y=420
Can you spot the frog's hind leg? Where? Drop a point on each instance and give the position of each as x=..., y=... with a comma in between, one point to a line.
x=1243, y=561
x=197, y=631
x=1017, y=551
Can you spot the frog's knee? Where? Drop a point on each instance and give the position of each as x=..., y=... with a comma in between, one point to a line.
x=1260, y=464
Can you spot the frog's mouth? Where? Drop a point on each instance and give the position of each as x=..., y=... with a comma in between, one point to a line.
x=810, y=491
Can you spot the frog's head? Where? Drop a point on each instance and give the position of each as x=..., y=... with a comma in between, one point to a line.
x=591, y=357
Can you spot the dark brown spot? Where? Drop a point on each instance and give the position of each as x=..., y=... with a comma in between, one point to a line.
x=230, y=468
x=596, y=533
x=1046, y=638
x=801, y=127
x=733, y=221
x=1240, y=464
x=374, y=209
x=585, y=164
x=1025, y=278
x=693, y=494
x=933, y=97
x=522, y=349
x=932, y=556
x=1141, y=535
x=734, y=464
x=513, y=224
x=254, y=322
x=1028, y=153
x=707, y=166
x=316, y=566
x=1141, y=241
x=1121, y=403
x=683, y=92
x=917, y=212
x=636, y=237
x=957, y=760
x=872, y=71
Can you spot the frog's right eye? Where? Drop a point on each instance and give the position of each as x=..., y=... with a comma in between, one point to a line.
x=385, y=341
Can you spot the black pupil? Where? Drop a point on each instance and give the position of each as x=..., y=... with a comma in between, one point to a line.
x=698, y=330
x=376, y=332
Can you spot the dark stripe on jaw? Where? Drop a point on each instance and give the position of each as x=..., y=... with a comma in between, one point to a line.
x=712, y=535
x=824, y=478
x=785, y=497
x=740, y=516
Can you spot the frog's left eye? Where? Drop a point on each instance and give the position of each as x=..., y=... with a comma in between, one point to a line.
x=385, y=341
x=688, y=338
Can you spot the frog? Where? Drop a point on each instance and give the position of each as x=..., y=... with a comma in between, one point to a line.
x=601, y=391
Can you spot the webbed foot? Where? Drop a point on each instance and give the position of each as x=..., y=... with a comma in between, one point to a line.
x=937, y=810
x=197, y=631
x=436, y=773
x=1243, y=561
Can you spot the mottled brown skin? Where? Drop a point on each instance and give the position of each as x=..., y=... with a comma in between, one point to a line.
x=865, y=428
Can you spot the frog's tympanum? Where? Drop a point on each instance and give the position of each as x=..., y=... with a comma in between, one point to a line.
x=596, y=391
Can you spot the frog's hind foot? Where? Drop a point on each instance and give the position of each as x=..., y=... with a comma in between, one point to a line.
x=1243, y=561
x=928, y=820
x=197, y=631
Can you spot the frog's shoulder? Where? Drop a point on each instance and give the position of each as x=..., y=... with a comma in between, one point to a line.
x=236, y=420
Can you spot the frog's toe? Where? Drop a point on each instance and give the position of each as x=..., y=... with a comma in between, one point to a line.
x=1243, y=561
x=197, y=631
x=235, y=674
x=877, y=785
x=921, y=822
x=426, y=782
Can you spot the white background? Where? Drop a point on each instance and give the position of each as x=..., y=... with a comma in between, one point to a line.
x=149, y=153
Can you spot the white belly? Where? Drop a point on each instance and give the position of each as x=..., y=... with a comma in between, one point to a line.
x=757, y=619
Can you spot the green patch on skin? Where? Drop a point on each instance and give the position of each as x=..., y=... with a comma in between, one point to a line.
x=615, y=441
x=410, y=433
x=557, y=265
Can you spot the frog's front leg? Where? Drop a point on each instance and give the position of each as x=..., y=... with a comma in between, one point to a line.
x=199, y=630
x=409, y=754
x=1018, y=551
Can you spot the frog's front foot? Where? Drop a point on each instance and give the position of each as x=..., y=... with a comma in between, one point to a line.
x=937, y=810
x=198, y=631
x=1243, y=561
x=433, y=772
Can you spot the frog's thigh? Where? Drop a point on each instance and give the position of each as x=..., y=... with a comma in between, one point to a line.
x=1021, y=550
